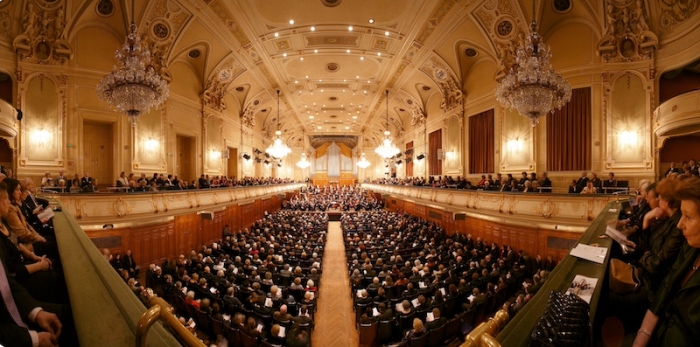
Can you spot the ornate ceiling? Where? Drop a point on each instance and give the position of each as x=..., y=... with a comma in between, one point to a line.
x=331, y=59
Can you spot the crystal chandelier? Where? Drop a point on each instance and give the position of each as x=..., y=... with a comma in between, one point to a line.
x=303, y=163
x=363, y=163
x=278, y=149
x=387, y=149
x=531, y=86
x=133, y=86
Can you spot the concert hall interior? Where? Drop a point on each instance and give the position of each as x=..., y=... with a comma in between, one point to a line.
x=209, y=153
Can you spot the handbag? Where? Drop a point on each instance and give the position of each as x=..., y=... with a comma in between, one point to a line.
x=565, y=322
x=622, y=277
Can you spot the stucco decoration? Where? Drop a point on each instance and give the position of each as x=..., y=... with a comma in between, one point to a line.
x=252, y=107
x=414, y=106
x=41, y=39
x=627, y=36
x=675, y=12
x=439, y=71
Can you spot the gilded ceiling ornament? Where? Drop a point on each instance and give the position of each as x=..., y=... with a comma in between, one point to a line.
x=627, y=36
x=41, y=40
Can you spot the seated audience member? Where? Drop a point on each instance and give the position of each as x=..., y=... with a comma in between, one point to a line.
x=129, y=264
x=672, y=170
x=21, y=310
x=437, y=321
x=282, y=314
x=581, y=182
x=47, y=181
x=671, y=319
x=589, y=189
x=417, y=331
x=573, y=189
x=31, y=271
x=122, y=181
x=611, y=181
x=544, y=181
x=597, y=182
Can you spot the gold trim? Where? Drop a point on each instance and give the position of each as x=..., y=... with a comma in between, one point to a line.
x=160, y=310
x=483, y=335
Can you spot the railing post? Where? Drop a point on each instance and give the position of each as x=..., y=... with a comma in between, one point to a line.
x=149, y=317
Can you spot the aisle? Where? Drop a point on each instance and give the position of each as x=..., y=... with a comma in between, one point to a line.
x=335, y=320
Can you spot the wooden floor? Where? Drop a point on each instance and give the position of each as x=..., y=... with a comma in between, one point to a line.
x=335, y=319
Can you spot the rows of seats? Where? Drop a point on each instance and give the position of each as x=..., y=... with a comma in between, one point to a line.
x=248, y=285
x=404, y=269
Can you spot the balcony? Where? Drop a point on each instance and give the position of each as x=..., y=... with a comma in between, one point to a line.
x=678, y=116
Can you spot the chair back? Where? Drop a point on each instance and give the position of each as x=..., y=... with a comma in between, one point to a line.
x=203, y=321
x=436, y=336
x=386, y=331
x=451, y=329
x=406, y=321
x=217, y=327
x=368, y=334
x=232, y=335
x=421, y=341
x=248, y=341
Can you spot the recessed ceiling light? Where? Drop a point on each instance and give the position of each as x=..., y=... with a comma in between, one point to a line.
x=320, y=80
x=307, y=76
x=319, y=127
x=354, y=117
x=347, y=51
x=362, y=58
x=324, y=105
x=301, y=58
x=321, y=90
x=296, y=81
x=277, y=34
x=311, y=117
x=379, y=54
x=291, y=21
x=314, y=29
x=357, y=76
x=371, y=21
x=386, y=33
x=315, y=50
x=347, y=128
x=350, y=28
x=284, y=55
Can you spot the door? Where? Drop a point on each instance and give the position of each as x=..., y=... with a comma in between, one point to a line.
x=97, y=152
x=232, y=163
x=185, y=169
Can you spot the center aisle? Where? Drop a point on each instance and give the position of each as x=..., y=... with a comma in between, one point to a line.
x=335, y=319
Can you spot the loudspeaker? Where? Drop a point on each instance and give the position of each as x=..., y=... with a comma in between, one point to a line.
x=207, y=215
x=19, y=114
x=460, y=216
x=440, y=154
x=246, y=156
x=420, y=156
x=399, y=162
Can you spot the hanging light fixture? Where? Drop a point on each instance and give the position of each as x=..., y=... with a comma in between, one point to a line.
x=530, y=85
x=303, y=163
x=363, y=163
x=133, y=86
x=387, y=149
x=278, y=149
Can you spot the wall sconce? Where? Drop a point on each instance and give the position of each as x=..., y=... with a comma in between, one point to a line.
x=41, y=137
x=214, y=154
x=151, y=145
x=628, y=138
x=515, y=146
x=451, y=154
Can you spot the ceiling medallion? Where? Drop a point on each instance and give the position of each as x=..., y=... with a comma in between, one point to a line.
x=504, y=28
x=470, y=52
x=333, y=98
x=331, y=3
x=332, y=67
x=105, y=8
x=562, y=6
x=194, y=54
x=160, y=30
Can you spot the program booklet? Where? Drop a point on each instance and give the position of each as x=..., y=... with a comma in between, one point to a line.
x=583, y=287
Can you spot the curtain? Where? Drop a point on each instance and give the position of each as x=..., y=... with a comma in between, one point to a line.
x=481, y=142
x=435, y=144
x=569, y=134
x=409, y=164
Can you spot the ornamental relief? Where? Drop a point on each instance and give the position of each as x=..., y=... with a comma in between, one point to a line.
x=627, y=35
x=443, y=76
x=675, y=12
x=42, y=37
